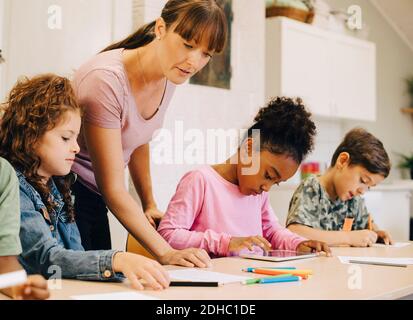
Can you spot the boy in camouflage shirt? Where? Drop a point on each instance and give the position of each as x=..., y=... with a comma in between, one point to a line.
x=329, y=207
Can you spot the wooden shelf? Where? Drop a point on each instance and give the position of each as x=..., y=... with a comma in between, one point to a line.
x=407, y=110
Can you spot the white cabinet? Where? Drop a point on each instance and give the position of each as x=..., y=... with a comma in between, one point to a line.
x=353, y=81
x=391, y=211
x=280, y=201
x=334, y=74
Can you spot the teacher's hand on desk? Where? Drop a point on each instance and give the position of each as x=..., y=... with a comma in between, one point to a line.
x=191, y=257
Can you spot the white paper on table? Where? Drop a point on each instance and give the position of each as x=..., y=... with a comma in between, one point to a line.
x=407, y=261
x=12, y=279
x=127, y=295
x=395, y=245
x=203, y=275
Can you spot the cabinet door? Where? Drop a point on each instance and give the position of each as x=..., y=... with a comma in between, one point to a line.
x=353, y=79
x=305, y=68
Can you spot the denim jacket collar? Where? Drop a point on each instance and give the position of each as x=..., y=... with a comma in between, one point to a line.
x=54, y=193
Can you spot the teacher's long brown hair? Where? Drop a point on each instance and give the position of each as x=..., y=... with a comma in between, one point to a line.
x=198, y=20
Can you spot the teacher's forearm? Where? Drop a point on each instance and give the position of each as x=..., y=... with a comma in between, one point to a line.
x=139, y=169
x=130, y=215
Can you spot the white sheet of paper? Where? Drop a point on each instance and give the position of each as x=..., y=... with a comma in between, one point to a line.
x=12, y=279
x=203, y=275
x=127, y=295
x=395, y=245
x=345, y=260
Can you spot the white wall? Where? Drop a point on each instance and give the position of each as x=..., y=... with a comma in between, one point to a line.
x=2, y=20
x=3, y=33
x=35, y=48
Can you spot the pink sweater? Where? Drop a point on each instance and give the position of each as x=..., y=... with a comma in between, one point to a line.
x=207, y=210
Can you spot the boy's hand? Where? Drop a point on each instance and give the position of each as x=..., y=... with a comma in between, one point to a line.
x=314, y=246
x=238, y=243
x=362, y=238
x=35, y=288
x=384, y=237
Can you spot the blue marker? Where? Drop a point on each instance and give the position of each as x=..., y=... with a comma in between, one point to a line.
x=275, y=280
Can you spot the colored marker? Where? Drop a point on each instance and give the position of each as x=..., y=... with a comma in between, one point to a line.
x=370, y=223
x=272, y=272
x=271, y=268
x=194, y=284
x=284, y=279
x=251, y=281
x=258, y=280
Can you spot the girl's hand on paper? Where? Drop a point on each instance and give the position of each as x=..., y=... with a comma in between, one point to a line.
x=35, y=288
x=136, y=267
x=314, y=246
x=238, y=243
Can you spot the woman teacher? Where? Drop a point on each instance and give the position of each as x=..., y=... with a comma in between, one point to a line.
x=125, y=91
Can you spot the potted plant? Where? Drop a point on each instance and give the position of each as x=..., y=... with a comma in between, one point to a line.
x=407, y=163
x=409, y=83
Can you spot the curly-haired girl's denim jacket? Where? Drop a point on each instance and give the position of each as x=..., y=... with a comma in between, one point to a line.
x=51, y=243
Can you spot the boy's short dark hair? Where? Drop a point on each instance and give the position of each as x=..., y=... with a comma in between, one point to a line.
x=364, y=150
x=285, y=128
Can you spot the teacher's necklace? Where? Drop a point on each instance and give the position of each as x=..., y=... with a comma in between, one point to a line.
x=141, y=68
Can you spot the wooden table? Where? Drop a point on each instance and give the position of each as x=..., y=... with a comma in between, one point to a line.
x=331, y=280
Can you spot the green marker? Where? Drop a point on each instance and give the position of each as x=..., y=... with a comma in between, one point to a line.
x=251, y=281
x=258, y=280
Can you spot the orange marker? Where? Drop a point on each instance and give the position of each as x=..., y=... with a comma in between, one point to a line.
x=370, y=223
x=348, y=224
x=273, y=272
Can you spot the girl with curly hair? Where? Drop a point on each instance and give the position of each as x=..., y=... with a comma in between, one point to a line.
x=224, y=208
x=38, y=136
